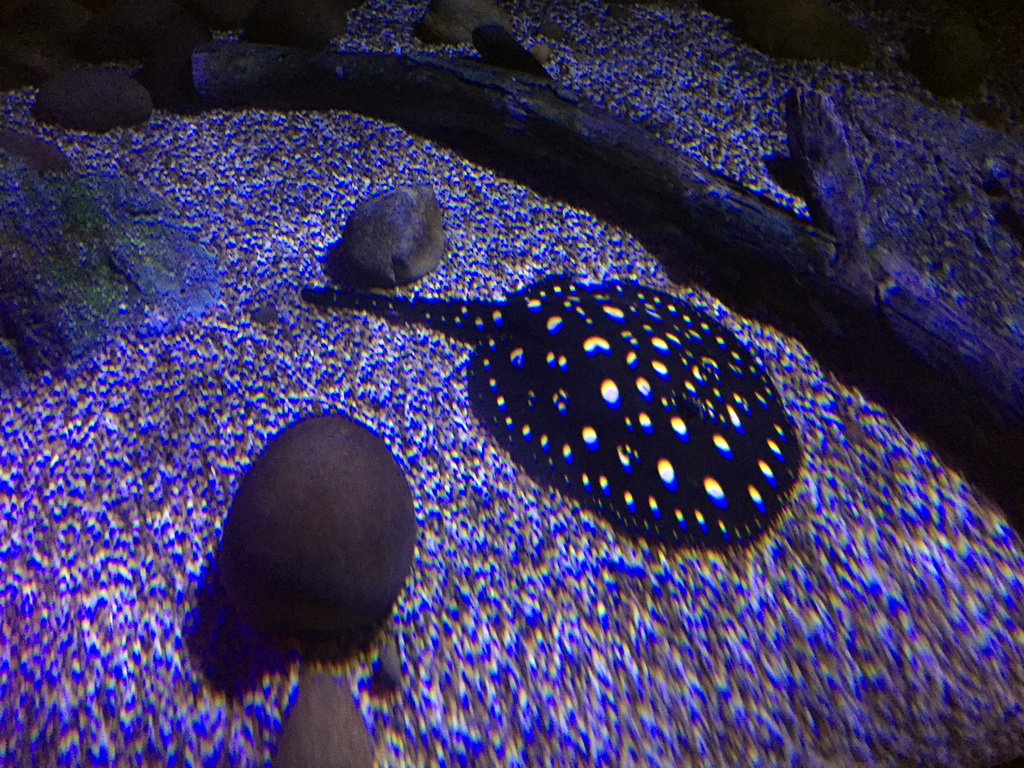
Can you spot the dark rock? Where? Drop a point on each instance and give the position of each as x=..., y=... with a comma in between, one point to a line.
x=224, y=14
x=89, y=256
x=92, y=99
x=499, y=48
x=391, y=239
x=949, y=60
x=36, y=41
x=323, y=729
x=167, y=70
x=39, y=153
x=320, y=536
x=795, y=29
x=127, y=29
x=266, y=315
x=12, y=9
x=301, y=23
x=387, y=672
x=620, y=13
x=453, y=21
x=552, y=30
x=63, y=20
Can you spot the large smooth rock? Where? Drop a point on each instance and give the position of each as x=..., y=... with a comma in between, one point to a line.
x=950, y=59
x=93, y=99
x=303, y=23
x=224, y=14
x=391, y=239
x=324, y=729
x=795, y=29
x=320, y=537
x=39, y=153
x=127, y=29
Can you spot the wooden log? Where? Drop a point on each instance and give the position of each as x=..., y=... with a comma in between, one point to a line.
x=754, y=254
x=531, y=129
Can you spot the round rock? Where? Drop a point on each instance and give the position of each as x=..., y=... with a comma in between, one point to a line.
x=391, y=239
x=225, y=14
x=320, y=536
x=92, y=99
x=950, y=60
x=127, y=29
x=453, y=21
x=37, y=152
x=302, y=23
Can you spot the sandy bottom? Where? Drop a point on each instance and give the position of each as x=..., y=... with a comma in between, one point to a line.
x=877, y=623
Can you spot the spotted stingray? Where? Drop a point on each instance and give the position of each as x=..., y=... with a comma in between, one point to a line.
x=629, y=399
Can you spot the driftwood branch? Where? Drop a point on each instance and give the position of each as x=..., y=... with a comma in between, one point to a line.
x=529, y=128
x=753, y=253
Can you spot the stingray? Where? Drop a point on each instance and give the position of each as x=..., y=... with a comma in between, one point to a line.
x=629, y=400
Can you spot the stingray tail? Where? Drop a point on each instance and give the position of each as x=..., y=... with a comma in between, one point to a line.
x=467, y=320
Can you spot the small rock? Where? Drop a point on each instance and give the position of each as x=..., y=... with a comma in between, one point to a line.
x=795, y=29
x=320, y=536
x=391, y=239
x=302, y=23
x=949, y=60
x=552, y=30
x=499, y=48
x=837, y=199
x=323, y=729
x=453, y=21
x=543, y=53
x=387, y=673
x=127, y=29
x=39, y=153
x=93, y=99
x=225, y=14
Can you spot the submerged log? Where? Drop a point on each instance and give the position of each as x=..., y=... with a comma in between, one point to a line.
x=532, y=130
x=956, y=380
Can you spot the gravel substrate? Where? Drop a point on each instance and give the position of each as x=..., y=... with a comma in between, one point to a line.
x=877, y=623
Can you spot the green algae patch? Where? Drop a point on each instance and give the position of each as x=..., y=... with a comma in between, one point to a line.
x=86, y=257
